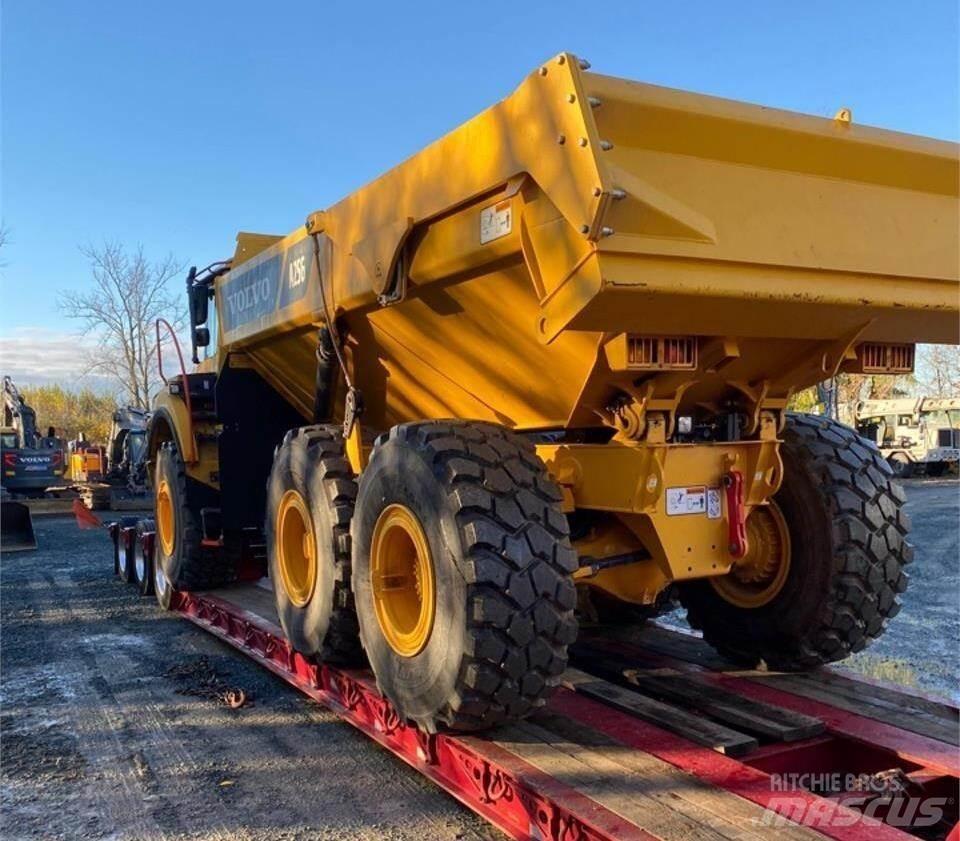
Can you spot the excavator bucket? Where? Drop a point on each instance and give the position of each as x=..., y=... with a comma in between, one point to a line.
x=16, y=528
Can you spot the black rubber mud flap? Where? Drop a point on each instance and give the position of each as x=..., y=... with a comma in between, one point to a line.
x=311, y=461
x=848, y=530
x=502, y=561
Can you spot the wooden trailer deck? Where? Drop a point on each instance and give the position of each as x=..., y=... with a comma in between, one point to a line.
x=654, y=736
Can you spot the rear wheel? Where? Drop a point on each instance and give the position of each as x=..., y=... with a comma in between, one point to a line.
x=310, y=497
x=462, y=564
x=826, y=558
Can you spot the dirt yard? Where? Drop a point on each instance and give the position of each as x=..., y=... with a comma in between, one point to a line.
x=108, y=728
x=111, y=728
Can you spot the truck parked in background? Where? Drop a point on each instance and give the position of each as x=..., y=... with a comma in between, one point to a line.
x=914, y=434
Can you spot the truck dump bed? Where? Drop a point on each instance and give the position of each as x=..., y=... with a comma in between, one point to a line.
x=583, y=206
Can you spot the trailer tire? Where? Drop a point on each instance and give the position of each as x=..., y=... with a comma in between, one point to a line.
x=178, y=551
x=491, y=544
x=119, y=550
x=127, y=575
x=142, y=561
x=315, y=604
x=844, y=513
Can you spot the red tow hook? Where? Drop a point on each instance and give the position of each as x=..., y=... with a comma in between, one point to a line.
x=736, y=519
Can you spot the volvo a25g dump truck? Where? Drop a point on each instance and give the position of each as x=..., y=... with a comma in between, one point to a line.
x=541, y=370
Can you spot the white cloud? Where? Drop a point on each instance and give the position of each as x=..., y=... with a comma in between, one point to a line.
x=39, y=356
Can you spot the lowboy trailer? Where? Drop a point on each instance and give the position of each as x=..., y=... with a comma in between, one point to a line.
x=651, y=735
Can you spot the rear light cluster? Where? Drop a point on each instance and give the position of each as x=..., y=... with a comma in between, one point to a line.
x=876, y=358
x=632, y=352
x=9, y=459
x=661, y=353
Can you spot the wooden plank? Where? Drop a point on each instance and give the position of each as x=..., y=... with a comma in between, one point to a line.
x=752, y=716
x=252, y=597
x=643, y=801
x=692, y=727
x=903, y=709
x=687, y=792
x=903, y=717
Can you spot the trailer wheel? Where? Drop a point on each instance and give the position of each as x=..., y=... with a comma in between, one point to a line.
x=119, y=550
x=142, y=562
x=836, y=531
x=127, y=574
x=462, y=574
x=310, y=498
x=177, y=549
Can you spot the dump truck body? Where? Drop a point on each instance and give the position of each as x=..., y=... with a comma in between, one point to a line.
x=587, y=308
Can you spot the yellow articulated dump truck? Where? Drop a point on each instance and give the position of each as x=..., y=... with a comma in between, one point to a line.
x=541, y=371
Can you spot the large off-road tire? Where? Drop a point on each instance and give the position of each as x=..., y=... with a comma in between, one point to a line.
x=310, y=497
x=178, y=551
x=462, y=564
x=843, y=511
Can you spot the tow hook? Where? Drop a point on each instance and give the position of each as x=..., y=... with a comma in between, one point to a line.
x=736, y=516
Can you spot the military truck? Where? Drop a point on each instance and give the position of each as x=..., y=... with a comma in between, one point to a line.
x=914, y=434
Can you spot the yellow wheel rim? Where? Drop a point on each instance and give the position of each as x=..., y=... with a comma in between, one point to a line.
x=757, y=579
x=404, y=587
x=166, y=523
x=296, y=549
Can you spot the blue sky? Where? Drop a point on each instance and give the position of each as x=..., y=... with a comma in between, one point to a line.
x=176, y=124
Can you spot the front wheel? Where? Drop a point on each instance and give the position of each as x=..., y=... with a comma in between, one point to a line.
x=825, y=565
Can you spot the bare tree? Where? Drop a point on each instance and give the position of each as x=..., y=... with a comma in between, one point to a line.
x=129, y=293
x=938, y=370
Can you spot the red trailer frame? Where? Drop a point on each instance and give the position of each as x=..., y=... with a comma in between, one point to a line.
x=526, y=801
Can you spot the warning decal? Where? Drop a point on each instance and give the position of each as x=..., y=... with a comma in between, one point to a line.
x=686, y=501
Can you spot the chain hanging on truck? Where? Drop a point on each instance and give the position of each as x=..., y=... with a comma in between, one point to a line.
x=353, y=403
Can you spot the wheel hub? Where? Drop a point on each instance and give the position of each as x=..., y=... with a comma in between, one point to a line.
x=758, y=577
x=295, y=548
x=166, y=524
x=402, y=579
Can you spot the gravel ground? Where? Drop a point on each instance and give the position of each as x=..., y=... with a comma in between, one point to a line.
x=107, y=729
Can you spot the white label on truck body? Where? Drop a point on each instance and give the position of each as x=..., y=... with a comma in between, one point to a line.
x=495, y=221
x=686, y=501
